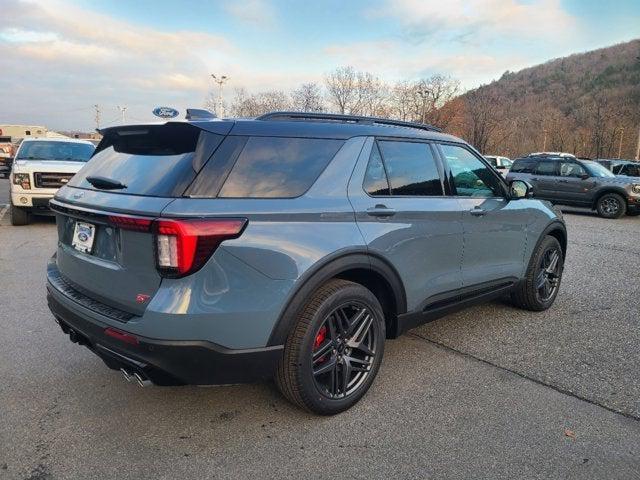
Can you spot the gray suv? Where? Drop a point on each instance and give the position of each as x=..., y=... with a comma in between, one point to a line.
x=579, y=183
x=288, y=247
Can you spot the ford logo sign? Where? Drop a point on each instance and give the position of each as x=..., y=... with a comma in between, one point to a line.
x=165, y=112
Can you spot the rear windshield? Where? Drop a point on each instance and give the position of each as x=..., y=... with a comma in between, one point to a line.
x=155, y=161
x=60, y=151
x=265, y=167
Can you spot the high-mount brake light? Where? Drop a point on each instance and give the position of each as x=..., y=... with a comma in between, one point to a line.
x=184, y=245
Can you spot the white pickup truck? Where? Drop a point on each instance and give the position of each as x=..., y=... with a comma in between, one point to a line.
x=40, y=167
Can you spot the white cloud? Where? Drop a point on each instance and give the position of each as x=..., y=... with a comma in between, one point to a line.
x=252, y=12
x=474, y=20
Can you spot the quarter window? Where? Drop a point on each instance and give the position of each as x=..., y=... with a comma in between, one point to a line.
x=411, y=168
x=471, y=177
x=274, y=167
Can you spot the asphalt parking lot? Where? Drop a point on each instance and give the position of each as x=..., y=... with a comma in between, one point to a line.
x=491, y=392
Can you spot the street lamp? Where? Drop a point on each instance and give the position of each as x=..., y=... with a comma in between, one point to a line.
x=424, y=93
x=221, y=80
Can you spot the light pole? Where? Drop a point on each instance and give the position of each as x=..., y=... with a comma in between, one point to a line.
x=123, y=109
x=620, y=144
x=544, y=142
x=221, y=80
x=423, y=92
x=638, y=147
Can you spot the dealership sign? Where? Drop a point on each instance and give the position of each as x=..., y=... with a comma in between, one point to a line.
x=165, y=112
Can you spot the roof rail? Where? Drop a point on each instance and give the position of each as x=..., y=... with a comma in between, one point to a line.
x=339, y=117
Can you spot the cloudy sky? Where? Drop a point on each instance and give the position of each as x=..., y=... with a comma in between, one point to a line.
x=59, y=58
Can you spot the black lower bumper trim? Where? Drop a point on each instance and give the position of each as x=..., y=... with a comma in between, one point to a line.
x=168, y=362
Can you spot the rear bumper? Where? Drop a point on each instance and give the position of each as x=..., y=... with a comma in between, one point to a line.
x=161, y=361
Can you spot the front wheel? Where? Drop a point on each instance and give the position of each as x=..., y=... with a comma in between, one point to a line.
x=335, y=349
x=19, y=216
x=540, y=286
x=611, y=205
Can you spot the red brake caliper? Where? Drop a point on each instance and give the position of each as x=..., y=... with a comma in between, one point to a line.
x=320, y=338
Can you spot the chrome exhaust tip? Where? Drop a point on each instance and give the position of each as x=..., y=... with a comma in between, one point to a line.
x=142, y=381
x=127, y=376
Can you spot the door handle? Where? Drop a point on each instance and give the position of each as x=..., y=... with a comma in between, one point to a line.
x=477, y=211
x=563, y=181
x=381, y=211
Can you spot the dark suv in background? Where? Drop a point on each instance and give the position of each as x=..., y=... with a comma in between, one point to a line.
x=621, y=167
x=579, y=183
x=290, y=246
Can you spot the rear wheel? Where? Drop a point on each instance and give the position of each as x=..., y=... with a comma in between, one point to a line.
x=540, y=286
x=335, y=349
x=611, y=205
x=19, y=216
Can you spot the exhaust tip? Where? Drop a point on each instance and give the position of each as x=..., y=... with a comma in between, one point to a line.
x=127, y=376
x=142, y=381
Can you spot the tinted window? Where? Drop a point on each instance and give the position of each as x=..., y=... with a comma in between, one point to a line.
x=154, y=161
x=492, y=160
x=375, y=178
x=411, y=168
x=546, y=168
x=48, y=150
x=523, y=166
x=271, y=167
x=471, y=177
x=571, y=169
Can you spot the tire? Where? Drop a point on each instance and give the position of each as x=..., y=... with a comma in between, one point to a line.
x=529, y=294
x=339, y=352
x=19, y=216
x=611, y=205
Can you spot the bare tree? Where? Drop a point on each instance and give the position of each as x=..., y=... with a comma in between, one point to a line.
x=342, y=86
x=245, y=105
x=307, y=98
x=483, y=117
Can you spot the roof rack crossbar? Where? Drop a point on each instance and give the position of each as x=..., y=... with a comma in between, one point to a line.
x=339, y=117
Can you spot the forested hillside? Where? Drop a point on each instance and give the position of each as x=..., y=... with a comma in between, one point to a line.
x=587, y=104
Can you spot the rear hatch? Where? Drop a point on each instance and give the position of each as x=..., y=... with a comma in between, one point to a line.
x=106, y=250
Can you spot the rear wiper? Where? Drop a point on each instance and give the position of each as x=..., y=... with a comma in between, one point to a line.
x=105, y=183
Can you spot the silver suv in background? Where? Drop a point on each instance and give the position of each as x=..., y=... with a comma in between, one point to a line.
x=289, y=247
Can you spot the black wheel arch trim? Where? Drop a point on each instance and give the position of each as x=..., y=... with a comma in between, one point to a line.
x=555, y=225
x=330, y=267
x=608, y=190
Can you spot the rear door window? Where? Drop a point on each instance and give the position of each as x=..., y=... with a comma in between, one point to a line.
x=278, y=167
x=546, y=167
x=411, y=168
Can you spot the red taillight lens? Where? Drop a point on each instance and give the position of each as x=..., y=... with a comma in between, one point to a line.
x=183, y=246
x=131, y=223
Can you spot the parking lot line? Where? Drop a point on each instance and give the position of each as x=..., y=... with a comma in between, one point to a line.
x=3, y=210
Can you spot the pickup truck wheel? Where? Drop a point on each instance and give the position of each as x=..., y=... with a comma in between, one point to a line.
x=540, y=286
x=335, y=349
x=19, y=216
x=611, y=205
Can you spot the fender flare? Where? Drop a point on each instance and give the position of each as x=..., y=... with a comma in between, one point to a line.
x=554, y=225
x=323, y=271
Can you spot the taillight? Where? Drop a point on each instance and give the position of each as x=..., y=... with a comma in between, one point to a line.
x=137, y=224
x=183, y=246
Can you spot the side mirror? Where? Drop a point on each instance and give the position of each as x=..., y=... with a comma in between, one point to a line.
x=520, y=189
